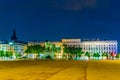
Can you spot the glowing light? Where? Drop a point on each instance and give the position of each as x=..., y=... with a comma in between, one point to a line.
x=11, y=43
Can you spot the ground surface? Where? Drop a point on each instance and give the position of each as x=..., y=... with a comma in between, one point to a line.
x=60, y=70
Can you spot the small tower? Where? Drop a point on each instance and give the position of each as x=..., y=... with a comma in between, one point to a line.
x=13, y=37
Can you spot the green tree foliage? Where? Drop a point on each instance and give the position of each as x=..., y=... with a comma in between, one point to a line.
x=79, y=51
x=118, y=56
x=58, y=49
x=51, y=49
x=18, y=55
x=72, y=50
x=2, y=54
x=34, y=49
x=87, y=54
x=65, y=49
x=6, y=54
x=10, y=54
x=104, y=54
x=96, y=55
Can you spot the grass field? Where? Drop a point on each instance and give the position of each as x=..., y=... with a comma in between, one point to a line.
x=60, y=70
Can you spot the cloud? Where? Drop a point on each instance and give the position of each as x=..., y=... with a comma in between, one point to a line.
x=74, y=4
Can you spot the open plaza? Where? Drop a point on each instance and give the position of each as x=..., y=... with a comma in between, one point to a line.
x=60, y=70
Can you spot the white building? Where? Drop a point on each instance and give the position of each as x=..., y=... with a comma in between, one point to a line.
x=4, y=46
x=96, y=46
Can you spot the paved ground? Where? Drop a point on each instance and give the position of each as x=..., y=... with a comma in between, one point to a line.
x=60, y=70
x=103, y=70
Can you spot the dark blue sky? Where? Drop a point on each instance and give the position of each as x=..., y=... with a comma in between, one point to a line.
x=56, y=19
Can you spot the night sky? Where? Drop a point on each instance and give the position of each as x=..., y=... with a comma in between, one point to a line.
x=56, y=19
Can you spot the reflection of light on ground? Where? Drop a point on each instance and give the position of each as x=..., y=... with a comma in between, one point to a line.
x=103, y=70
x=60, y=70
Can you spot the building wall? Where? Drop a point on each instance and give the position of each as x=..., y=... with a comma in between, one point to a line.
x=71, y=40
x=5, y=47
x=34, y=43
x=17, y=47
x=93, y=46
x=99, y=46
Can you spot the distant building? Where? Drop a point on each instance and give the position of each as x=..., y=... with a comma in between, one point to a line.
x=13, y=37
x=4, y=46
x=99, y=46
x=18, y=46
x=95, y=46
x=34, y=43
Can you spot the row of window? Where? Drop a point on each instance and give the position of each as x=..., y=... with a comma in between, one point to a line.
x=102, y=48
x=101, y=51
x=114, y=45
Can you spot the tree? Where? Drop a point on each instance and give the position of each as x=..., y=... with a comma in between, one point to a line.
x=78, y=52
x=96, y=55
x=7, y=54
x=54, y=48
x=34, y=49
x=104, y=55
x=71, y=51
x=87, y=54
x=58, y=49
x=51, y=49
x=38, y=49
x=66, y=51
x=2, y=54
x=29, y=49
x=18, y=55
x=118, y=56
x=10, y=54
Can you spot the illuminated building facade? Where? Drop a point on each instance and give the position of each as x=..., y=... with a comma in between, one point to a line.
x=4, y=46
x=95, y=46
x=99, y=46
x=91, y=46
x=18, y=47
